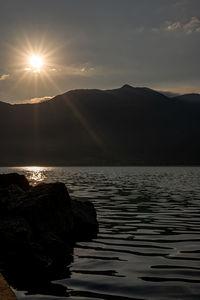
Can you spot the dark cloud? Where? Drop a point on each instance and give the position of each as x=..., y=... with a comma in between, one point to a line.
x=192, y=26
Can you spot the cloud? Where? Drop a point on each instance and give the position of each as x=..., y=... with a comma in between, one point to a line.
x=173, y=26
x=33, y=100
x=193, y=25
x=84, y=70
x=4, y=77
x=38, y=100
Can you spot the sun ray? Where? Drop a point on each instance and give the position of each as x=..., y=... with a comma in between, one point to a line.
x=37, y=68
x=48, y=77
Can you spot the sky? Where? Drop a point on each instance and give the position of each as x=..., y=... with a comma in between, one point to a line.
x=97, y=44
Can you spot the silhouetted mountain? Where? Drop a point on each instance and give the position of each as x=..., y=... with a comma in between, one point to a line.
x=169, y=94
x=124, y=126
x=188, y=97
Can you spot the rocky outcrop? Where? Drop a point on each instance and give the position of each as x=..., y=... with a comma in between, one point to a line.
x=84, y=217
x=14, y=179
x=5, y=291
x=39, y=225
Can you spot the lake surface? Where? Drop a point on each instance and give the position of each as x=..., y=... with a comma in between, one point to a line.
x=148, y=246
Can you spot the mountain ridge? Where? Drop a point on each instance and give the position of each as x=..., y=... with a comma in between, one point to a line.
x=125, y=126
x=125, y=87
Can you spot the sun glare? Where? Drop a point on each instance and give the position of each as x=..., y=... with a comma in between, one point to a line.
x=36, y=62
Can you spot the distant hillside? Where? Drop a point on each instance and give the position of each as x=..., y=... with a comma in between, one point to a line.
x=125, y=126
x=188, y=97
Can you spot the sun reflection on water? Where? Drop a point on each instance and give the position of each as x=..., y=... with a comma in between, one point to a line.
x=35, y=174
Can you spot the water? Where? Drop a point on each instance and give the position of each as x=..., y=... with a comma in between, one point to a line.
x=148, y=246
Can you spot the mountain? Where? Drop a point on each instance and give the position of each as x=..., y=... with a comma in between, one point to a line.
x=188, y=97
x=125, y=126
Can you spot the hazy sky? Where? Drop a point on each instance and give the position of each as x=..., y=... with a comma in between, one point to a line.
x=98, y=44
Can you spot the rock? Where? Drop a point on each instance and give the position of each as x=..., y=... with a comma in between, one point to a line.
x=5, y=291
x=39, y=225
x=85, y=221
x=8, y=196
x=13, y=178
x=47, y=208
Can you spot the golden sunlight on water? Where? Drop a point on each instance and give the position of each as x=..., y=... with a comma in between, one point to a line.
x=34, y=169
x=35, y=174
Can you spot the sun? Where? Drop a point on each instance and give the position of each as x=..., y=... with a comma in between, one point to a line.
x=36, y=62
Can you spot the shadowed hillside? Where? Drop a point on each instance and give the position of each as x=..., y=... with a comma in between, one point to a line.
x=125, y=126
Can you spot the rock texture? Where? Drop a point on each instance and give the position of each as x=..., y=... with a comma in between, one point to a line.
x=5, y=291
x=39, y=225
x=84, y=216
x=14, y=179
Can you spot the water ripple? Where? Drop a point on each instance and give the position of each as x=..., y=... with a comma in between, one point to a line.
x=149, y=241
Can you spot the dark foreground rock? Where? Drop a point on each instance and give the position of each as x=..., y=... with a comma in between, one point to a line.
x=84, y=216
x=39, y=225
x=14, y=179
